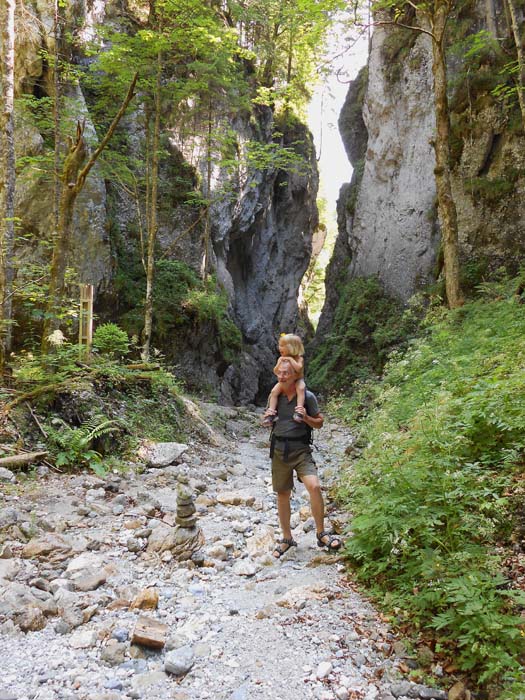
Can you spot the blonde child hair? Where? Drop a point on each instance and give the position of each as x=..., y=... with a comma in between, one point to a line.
x=295, y=350
x=292, y=350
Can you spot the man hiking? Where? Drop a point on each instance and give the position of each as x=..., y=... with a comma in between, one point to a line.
x=291, y=452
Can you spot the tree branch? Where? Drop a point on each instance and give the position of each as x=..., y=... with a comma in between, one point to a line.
x=91, y=162
x=393, y=23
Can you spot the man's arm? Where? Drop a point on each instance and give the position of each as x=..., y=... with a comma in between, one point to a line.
x=313, y=421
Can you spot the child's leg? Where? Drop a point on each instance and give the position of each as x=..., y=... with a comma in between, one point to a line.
x=274, y=397
x=300, y=391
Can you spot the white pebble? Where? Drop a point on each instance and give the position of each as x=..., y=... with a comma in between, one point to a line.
x=324, y=669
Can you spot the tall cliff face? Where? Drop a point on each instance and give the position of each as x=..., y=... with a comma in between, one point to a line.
x=262, y=253
x=390, y=223
x=262, y=244
x=261, y=233
x=388, y=220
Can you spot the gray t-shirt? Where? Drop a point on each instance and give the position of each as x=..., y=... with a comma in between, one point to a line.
x=285, y=425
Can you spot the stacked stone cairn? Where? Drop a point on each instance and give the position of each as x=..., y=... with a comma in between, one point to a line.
x=186, y=517
x=188, y=537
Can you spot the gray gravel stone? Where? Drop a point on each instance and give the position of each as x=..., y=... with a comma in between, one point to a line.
x=7, y=695
x=121, y=634
x=179, y=661
x=240, y=693
x=432, y=694
x=401, y=688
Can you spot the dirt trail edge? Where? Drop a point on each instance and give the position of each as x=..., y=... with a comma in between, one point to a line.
x=87, y=565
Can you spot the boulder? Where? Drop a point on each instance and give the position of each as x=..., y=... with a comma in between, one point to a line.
x=181, y=542
x=161, y=454
x=261, y=541
x=179, y=661
x=149, y=633
x=147, y=599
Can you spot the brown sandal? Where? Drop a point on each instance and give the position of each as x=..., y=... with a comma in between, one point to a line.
x=334, y=541
x=279, y=550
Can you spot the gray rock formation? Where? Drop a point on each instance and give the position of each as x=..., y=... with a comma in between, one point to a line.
x=389, y=228
x=263, y=257
x=261, y=234
x=262, y=244
x=392, y=232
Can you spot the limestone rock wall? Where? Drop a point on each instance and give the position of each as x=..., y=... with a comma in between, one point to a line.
x=262, y=244
x=391, y=232
x=387, y=218
x=35, y=187
x=261, y=235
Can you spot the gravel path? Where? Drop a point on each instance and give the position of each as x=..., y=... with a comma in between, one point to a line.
x=83, y=561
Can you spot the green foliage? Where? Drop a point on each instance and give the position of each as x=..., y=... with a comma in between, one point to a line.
x=34, y=368
x=111, y=340
x=181, y=302
x=157, y=414
x=474, y=271
x=396, y=48
x=72, y=446
x=273, y=156
x=484, y=78
x=367, y=325
x=431, y=491
x=490, y=190
x=284, y=42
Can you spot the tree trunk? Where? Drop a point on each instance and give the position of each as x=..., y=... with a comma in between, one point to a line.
x=490, y=16
x=290, y=56
x=57, y=29
x=72, y=164
x=7, y=223
x=152, y=219
x=521, y=62
x=446, y=204
x=73, y=180
x=207, y=221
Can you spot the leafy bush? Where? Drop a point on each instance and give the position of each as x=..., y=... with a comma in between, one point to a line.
x=212, y=306
x=431, y=491
x=181, y=300
x=111, y=340
x=34, y=368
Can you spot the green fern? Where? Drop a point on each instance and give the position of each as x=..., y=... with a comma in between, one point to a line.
x=73, y=445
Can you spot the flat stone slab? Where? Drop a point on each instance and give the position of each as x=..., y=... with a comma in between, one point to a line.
x=149, y=633
x=161, y=454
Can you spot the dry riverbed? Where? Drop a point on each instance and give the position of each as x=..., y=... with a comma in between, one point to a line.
x=98, y=600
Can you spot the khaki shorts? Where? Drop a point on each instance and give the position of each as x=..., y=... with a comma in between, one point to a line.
x=300, y=460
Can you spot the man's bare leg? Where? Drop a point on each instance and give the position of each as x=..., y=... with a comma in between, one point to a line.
x=312, y=485
x=284, y=512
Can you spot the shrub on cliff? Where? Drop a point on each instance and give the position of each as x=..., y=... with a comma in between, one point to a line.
x=367, y=326
x=182, y=302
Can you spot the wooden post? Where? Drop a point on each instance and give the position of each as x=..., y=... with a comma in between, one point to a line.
x=85, y=322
